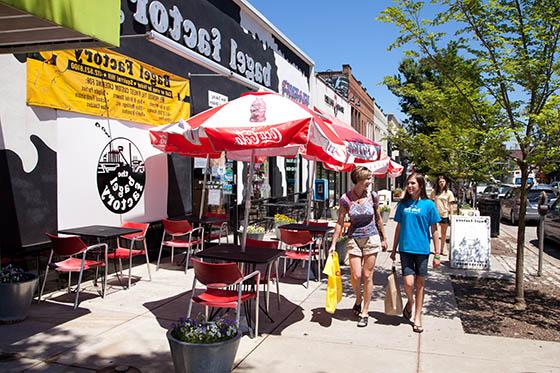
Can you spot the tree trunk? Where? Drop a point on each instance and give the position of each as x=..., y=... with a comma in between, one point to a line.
x=519, y=265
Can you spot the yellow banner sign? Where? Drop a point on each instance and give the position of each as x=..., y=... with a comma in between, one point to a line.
x=104, y=83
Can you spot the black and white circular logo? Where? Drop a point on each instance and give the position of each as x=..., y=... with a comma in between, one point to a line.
x=120, y=175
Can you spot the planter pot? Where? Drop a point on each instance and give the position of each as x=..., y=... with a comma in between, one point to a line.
x=195, y=358
x=16, y=299
x=385, y=216
x=253, y=236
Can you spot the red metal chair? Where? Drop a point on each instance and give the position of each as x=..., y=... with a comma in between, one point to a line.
x=320, y=237
x=177, y=229
x=217, y=277
x=302, y=248
x=121, y=252
x=222, y=228
x=70, y=247
x=268, y=276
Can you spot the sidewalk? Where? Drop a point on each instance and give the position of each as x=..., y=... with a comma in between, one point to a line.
x=128, y=328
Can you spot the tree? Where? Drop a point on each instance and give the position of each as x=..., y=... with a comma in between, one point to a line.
x=514, y=43
x=443, y=133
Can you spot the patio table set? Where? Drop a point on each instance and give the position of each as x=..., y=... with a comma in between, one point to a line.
x=255, y=126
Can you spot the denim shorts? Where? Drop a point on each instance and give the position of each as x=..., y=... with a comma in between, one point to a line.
x=414, y=264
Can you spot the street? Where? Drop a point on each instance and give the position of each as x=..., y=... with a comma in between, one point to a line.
x=551, y=250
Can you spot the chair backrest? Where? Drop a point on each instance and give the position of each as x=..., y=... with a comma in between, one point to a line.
x=131, y=224
x=216, y=273
x=216, y=215
x=262, y=244
x=295, y=238
x=316, y=223
x=176, y=226
x=66, y=246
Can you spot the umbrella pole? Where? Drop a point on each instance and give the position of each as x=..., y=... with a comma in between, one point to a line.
x=202, y=198
x=248, y=193
x=310, y=177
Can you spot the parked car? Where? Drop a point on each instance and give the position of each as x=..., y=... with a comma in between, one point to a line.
x=555, y=185
x=511, y=201
x=552, y=223
x=496, y=191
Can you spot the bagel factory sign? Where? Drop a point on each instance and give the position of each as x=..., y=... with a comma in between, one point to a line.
x=204, y=29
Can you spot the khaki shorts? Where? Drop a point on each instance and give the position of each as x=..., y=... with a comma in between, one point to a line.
x=364, y=246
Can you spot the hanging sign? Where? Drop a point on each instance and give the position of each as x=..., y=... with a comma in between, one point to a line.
x=104, y=83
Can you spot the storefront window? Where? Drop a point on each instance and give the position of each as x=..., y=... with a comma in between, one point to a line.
x=291, y=165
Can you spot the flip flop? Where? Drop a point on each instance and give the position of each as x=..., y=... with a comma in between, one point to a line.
x=417, y=328
x=357, y=309
x=406, y=313
x=363, y=322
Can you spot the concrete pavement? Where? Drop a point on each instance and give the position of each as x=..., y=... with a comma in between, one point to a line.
x=128, y=328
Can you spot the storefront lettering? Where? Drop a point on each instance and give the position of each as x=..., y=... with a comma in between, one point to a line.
x=294, y=93
x=252, y=137
x=332, y=103
x=208, y=44
x=125, y=66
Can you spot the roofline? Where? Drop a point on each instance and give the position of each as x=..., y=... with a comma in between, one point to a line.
x=245, y=5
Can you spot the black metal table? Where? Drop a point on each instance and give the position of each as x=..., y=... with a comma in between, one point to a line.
x=316, y=229
x=101, y=232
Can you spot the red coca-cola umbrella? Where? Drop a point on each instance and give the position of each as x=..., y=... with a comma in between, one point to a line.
x=384, y=167
x=256, y=125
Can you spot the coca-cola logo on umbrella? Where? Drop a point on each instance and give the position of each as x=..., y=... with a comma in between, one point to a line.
x=255, y=136
x=120, y=175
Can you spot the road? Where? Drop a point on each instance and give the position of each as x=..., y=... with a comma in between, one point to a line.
x=551, y=250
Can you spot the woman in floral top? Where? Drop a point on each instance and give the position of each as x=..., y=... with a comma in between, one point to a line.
x=365, y=237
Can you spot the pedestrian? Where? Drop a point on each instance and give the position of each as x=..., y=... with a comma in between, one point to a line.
x=445, y=204
x=416, y=216
x=366, y=237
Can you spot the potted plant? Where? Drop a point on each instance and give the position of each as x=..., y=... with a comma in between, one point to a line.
x=385, y=211
x=198, y=345
x=16, y=293
x=397, y=194
x=281, y=219
x=254, y=231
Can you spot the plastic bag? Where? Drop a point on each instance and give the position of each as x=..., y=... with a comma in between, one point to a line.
x=393, y=299
x=334, y=284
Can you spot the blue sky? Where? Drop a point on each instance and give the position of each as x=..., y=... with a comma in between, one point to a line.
x=333, y=33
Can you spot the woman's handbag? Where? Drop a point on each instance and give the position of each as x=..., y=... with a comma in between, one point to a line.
x=334, y=283
x=393, y=300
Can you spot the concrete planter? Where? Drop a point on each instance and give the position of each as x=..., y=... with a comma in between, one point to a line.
x=15, y=299
x=253, y=236
x=202, y=358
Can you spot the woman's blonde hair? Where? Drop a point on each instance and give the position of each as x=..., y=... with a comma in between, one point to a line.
x=360, y=173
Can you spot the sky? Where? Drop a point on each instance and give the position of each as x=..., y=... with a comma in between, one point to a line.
x=333, y=33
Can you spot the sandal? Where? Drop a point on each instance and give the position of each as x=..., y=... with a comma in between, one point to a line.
x=363, y=322
x=417, y=328
x=357, y=309
x=406, y=313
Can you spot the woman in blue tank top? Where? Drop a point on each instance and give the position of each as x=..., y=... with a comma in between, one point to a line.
x=416, y=216
x=364, y=238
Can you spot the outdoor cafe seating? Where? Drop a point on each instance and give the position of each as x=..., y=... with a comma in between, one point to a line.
x=219, y=278
x=123, y=252
x=180, y=234
x=268, y=275
x=71, y=248
x=299, y=245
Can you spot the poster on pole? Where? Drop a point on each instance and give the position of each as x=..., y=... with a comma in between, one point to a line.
x=470, y=242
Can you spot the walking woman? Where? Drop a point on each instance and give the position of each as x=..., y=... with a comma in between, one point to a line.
x=365, y=237
x=416, y=216
x=445, y=203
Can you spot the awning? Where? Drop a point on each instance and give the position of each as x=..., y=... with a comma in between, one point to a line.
x=38, y=25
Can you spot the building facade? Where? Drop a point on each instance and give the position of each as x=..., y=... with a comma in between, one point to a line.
x=74, y=143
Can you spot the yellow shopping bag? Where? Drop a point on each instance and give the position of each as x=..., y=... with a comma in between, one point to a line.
x=334, y=285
